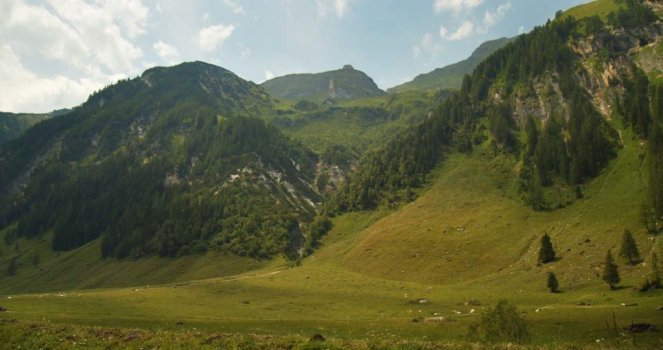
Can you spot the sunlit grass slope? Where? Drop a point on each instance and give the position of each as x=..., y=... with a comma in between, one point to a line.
x=466, y=237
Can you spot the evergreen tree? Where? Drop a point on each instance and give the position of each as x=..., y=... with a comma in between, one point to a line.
x=610, y=272
x=13, y=266
x=546, y=252
x=654, y=278
x=553, y=285
x=629, y=250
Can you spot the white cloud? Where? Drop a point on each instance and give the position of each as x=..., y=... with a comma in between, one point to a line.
x=100, y=33
x=492, y=18
x=235, y=7
x=268, y=75
x=340, y=7
x=521, y=30
x=31, y=93
x=89, y=40
x=455, y=6
x=213, y=36
x=427, y=48
x=168, y=53
x=204, y=17
x=131, y=14
x=465, y=30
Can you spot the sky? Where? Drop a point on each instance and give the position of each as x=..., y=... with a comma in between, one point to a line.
x=54, y=53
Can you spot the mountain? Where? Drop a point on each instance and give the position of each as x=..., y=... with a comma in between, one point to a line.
x=557, y=134
x=549, y=99
x=451, y=76
x=170, y=163
x=346, y=83
x=12, y=125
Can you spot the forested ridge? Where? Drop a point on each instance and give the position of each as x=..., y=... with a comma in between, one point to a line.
x=169, y=163
x=567, y=147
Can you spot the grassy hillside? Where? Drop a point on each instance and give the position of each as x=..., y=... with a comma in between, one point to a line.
x=358, y=124
x=594, y=7
x=451, y=76
x=363, y=284
x=342, y=84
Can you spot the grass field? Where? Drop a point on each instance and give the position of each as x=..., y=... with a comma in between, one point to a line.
x=466, y=237
x=594, y=7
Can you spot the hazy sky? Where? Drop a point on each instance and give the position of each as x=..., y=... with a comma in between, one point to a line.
x=54, y=53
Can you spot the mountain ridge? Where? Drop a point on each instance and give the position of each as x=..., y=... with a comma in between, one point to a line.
x=346, y=83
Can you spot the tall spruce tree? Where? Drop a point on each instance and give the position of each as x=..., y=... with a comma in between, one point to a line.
x=546, y=252
x=553, y=285
x=629, y=250
x=654, y=277
x=610, y=271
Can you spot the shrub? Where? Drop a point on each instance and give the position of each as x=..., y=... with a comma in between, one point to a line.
x=501, y=325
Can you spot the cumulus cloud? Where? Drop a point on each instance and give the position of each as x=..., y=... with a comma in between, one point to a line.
x=340, y=7
x=455, y=6
x=427, y=48
x=268, y=75
x=99, y=31
x=465, y=30
x=491, y=18
x=235, y=7
x=168, y=53
x=92, y=39
x=211, y=37
x=32, y=93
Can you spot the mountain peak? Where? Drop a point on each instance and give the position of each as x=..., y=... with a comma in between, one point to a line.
x=346, y=83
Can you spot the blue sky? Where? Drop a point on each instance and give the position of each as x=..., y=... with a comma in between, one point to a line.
x=54, y=53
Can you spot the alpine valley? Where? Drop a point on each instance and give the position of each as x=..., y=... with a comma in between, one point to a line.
x=511, y=200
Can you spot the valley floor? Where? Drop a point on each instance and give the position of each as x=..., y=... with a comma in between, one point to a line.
x=412, y=278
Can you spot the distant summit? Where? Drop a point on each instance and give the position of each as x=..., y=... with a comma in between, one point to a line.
x=346, y=83
x=450, y=77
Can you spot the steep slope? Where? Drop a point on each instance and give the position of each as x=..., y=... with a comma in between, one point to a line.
x=346, y=83
x=546, y=99
x=12, y=125
x=167, y=164
x=451, y=76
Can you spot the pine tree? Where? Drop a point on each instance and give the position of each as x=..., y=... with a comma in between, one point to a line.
x=629, y=250
x=553, y=285
x=546, y=252
x=654, y=278
x=610, y=272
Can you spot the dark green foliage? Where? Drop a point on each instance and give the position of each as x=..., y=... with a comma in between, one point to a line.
x=610, y=271
x=546, y=251
x=384, y=175
x=653, y=279
x=13, y=125
x=654, y=207
x=502, y=324
x=501, y=127
x=164, y=164
x=635, y=109
x=316, y=230
x=12, y=268
x=629, y=249
x=36, y=260
x=550, y=155
x=591, y=139
x=633, y=15
x=552, y=283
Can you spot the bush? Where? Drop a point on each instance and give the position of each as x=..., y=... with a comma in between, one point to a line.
x=501, y=325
